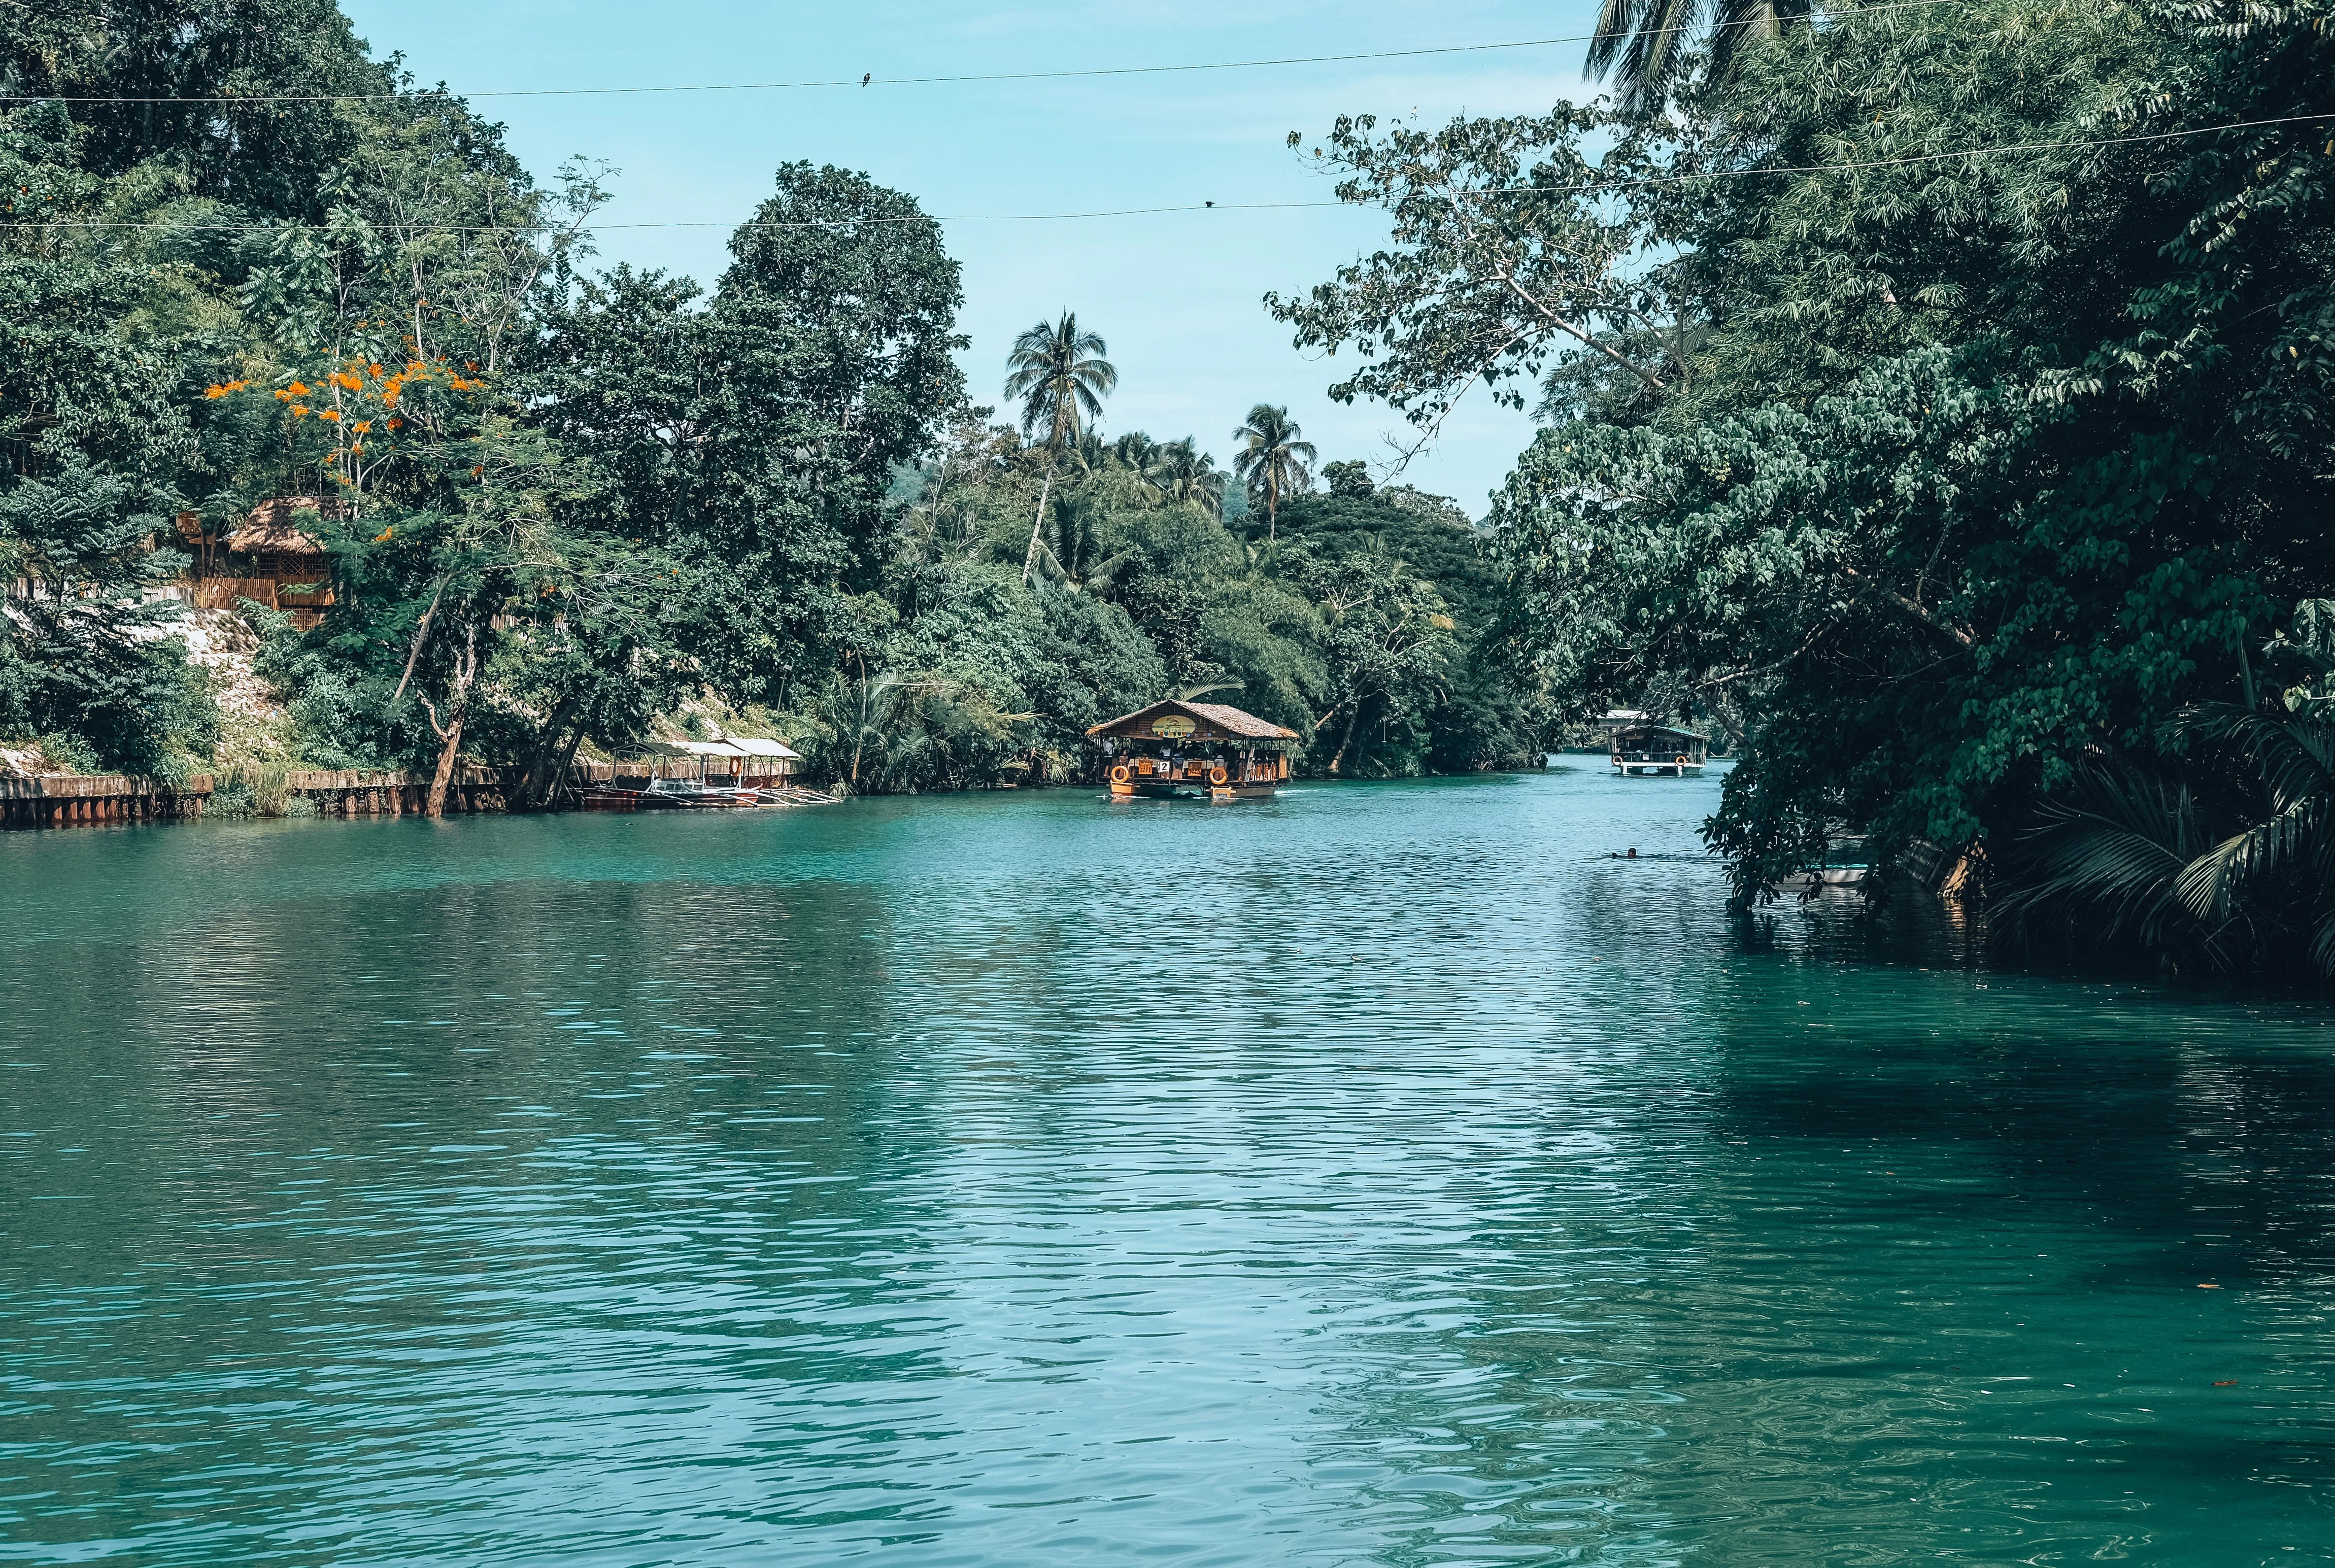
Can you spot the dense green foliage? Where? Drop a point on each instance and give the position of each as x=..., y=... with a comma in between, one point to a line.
x=565, y=510
x=1961, y=473
x=1364, y=625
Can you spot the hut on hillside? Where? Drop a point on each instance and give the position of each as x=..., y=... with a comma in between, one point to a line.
x=266, y=556
x=1198, y=748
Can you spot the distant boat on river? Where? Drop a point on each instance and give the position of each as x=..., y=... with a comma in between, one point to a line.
x=1649, y=750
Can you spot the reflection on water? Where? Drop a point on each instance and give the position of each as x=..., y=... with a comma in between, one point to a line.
x=1377, y=1175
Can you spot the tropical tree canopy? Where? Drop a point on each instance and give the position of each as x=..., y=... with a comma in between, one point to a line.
x=1935, y=399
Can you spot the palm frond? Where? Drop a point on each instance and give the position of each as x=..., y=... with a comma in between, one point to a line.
x=1645, y=45
x=2108, y=855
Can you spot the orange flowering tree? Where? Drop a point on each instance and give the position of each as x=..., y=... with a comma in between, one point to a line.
x=355, y=419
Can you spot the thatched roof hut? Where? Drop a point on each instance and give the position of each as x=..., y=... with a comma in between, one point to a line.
x=1203, y=722
x=273, y=529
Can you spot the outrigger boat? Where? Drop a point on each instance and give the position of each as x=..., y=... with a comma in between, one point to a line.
x=1209, y=750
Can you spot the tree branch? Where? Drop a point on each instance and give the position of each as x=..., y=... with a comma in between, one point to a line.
x=421, y=635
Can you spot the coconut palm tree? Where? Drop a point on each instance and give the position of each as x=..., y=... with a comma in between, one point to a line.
x=1075, y=552
x=1186, y=473
x=1643, y=44
x=1141, y=456
x=1059, y=373
x=1089, y=456
x=1273, y=460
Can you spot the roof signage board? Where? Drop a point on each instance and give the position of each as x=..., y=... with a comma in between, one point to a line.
x=1206, y=721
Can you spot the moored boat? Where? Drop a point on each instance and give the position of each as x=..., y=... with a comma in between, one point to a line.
x=1209, y=750
x=684, y=794
x=1658, y=750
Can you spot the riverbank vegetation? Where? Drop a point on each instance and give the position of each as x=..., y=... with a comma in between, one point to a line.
x=1936, y=400
x=563, y=509
x=1943, y=392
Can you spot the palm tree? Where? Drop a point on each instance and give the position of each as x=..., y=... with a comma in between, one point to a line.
x=1273, y=461
x=1643, y=43
x=1185, y=473
x=1062, y=378
x=2229, y=852
x=1089, y=455
x=2233, y=859
x=1141, y=456
x=1076, y=555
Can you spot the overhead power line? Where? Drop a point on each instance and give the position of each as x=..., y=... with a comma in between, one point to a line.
x=871, y=80
x=1578, y=188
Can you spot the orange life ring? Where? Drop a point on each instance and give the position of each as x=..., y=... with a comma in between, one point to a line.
x=1118, y=773
x=1217, y=775
x=1680, y=758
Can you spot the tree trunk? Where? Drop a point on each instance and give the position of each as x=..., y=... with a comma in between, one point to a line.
x=567, y=760
x=860, y=734
x=1030, y=561
x=456, y=702
x=1338, y=760
x=453, y=739
x=534, y=784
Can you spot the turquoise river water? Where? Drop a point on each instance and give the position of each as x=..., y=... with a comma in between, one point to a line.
x=1377, y=1175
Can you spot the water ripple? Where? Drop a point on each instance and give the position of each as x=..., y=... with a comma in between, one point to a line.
x=1378, y=1176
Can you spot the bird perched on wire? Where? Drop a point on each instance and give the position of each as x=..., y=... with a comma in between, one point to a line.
x=866, y=77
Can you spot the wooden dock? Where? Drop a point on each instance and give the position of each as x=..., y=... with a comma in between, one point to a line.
x=356, y=793
x=72, y=800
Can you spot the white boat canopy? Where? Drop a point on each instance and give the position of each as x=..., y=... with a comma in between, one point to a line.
x=739, y=746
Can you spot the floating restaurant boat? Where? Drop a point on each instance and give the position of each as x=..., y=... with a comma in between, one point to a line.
x=1202, y=749
x=1657, y=750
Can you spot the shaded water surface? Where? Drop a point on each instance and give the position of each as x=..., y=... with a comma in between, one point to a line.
x=1376, y=1175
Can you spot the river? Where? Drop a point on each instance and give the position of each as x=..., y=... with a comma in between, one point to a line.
x=1377, y=1175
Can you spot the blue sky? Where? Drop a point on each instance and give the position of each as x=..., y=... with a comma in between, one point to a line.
x=1176, y=294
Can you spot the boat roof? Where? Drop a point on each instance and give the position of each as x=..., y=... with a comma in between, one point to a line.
x=1210, y=721
x=737, y=746
x=1660, y=729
